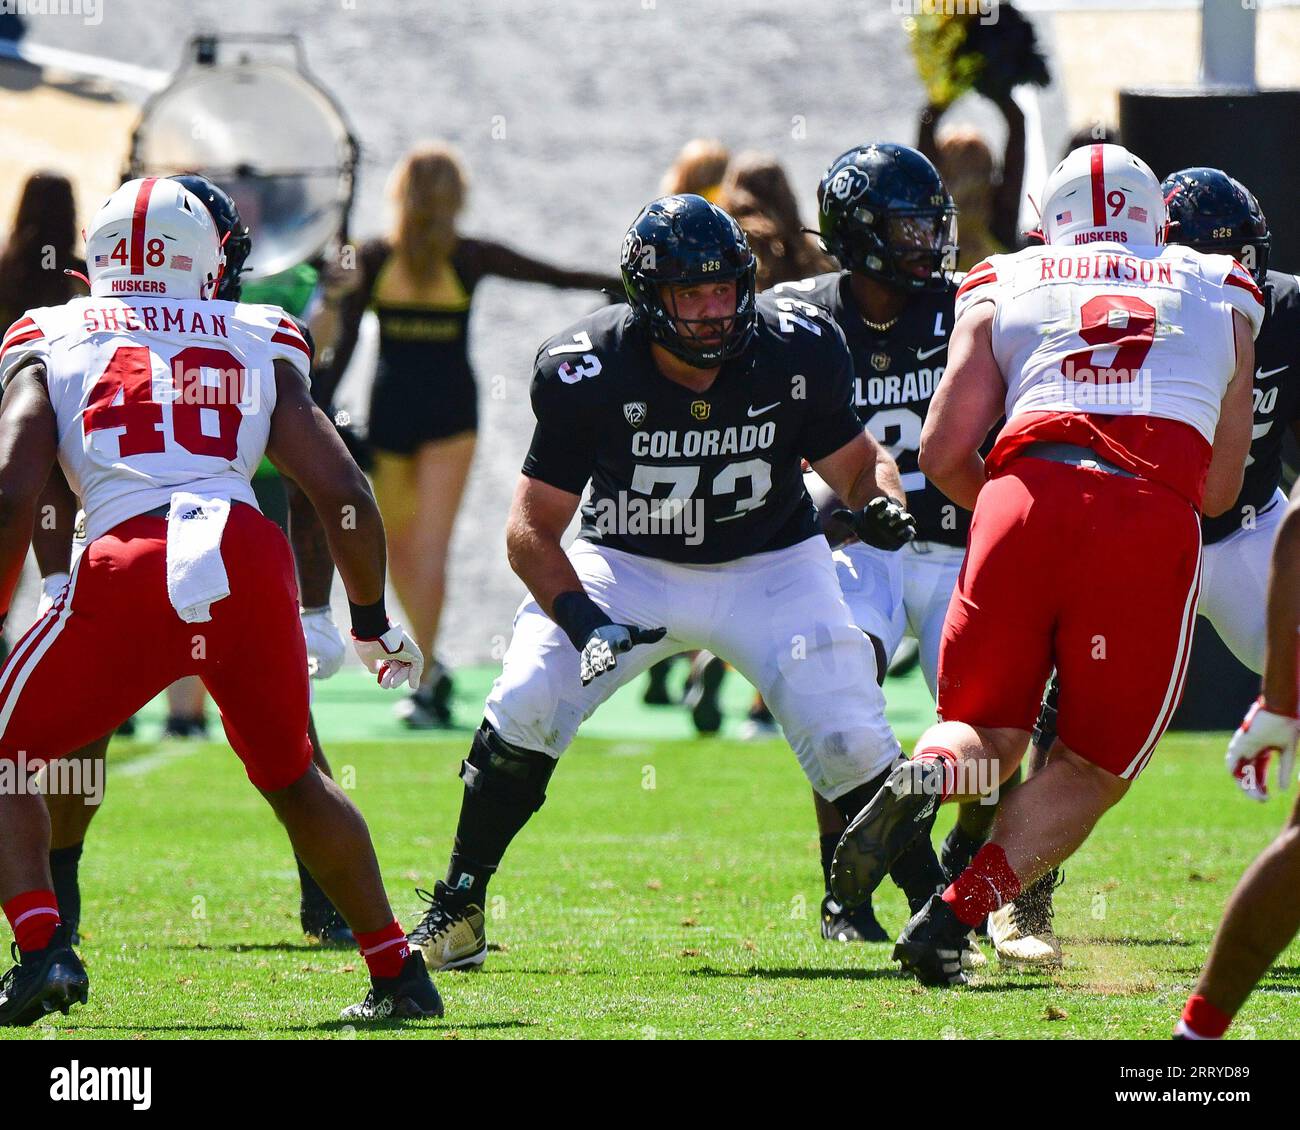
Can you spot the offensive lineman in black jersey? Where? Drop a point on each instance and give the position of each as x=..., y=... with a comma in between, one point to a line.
x=886, y=215
x=688, y=412
x=1215, y=213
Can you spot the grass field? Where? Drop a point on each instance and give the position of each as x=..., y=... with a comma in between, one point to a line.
x=667, y=889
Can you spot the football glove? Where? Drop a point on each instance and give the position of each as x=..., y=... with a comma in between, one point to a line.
x=1261, y=734
x=882, y=523
x=325, y=646
x=603, y=645
x=394, y=657
x=51, y=589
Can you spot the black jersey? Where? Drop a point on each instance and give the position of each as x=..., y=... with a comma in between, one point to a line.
x=1277, y=405
x=895, y=375
x=683, y=476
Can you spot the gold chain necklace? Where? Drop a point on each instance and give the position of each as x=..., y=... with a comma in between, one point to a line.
x=881, y=327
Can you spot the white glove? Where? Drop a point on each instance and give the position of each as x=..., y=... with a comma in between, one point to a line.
x=1261, y=734
x=394, y=657
x=325, y=646
x=51, y=589
x=600, y=653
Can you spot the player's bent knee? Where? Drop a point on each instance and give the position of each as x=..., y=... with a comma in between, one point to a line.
x=497, y=770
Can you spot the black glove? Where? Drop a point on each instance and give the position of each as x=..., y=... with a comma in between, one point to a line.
x=882, y=523
x=602, y=646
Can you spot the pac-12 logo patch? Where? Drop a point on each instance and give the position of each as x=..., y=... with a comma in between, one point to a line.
x=634, y=412
x=700, y=409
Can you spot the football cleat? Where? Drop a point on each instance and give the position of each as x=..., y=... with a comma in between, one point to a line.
x=41, y=982
x=858, y=925
x=429, y=707
x=701, y=699
x=411, y=995
x=904, y=808
x=450, y=937
x=326, y=926
x=932, y=945
x=1022, y=932
x=656, y=687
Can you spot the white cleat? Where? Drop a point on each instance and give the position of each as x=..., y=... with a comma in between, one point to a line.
x=972, y=957
x=1021, y=931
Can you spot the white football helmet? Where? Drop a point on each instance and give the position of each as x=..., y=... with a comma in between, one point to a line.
x=153, y=236
x=1103, y=192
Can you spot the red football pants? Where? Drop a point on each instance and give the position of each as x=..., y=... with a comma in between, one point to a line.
x=1093, y=573
x=114, y=641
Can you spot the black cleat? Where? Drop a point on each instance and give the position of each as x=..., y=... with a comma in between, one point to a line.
x=702, y=693
x=931, y=945
x=656, y=687
x=859, y=925
x=41, y=982
x=326, y=926
x=410, y=995
x=429, y=706
x=903, y=809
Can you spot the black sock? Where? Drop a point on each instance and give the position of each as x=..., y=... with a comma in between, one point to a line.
x=828, y=844
x=917, y=873
x=67, y=891
x=959, y=849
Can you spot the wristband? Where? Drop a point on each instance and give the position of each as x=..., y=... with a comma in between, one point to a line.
x=578, y=616
x=369, y=621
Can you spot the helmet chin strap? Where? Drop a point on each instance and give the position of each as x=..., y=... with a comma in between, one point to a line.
x=77, y=275
x=221, y=270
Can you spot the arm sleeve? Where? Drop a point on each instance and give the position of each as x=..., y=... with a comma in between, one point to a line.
x=979, y=285
x=288, y=343
x=563, y=451
x=831, y=421
x=22, y=343
x=1241, y=293
x=496, y=259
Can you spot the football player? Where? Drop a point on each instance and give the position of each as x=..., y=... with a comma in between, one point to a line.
x=1214, y=213
x=688, y=410
x=1263, y=913
x=1124, y=368
x=158, y=402
x=70, y=815
x=885, y=214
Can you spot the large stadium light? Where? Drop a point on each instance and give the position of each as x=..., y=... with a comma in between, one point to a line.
x=1228, y=44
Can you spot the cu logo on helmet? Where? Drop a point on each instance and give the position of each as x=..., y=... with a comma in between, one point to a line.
x=848, y=184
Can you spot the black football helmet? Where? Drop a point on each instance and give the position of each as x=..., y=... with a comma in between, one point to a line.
x=884, y=211
x=685, y=239
x=230, y=227
x=1213, y=212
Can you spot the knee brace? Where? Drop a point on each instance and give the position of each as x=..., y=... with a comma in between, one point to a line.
x=497, y=770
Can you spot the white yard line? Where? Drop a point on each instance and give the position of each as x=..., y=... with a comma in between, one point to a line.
x=146, y=764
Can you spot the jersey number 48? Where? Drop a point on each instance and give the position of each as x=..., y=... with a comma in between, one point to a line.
x=123, y=397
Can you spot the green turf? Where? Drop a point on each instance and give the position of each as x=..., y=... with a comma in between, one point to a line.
x=667, y=889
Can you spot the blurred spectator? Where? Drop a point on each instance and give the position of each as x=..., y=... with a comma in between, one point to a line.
x=420, y=282
x=699, y=168
x=1096, y=133
x=988, y=204
x=757, y=192
x=40, y=247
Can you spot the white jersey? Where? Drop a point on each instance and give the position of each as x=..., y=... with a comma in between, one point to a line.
x=154, y=395
x=1116, y=330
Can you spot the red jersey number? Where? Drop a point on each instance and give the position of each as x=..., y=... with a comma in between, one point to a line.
x=129, y=376
x=1113, y=320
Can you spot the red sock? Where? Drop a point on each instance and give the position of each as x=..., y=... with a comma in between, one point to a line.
x=985, y=885
x=384, y=950
x=33, y=917
x=947, y=760
x=1202, y=1020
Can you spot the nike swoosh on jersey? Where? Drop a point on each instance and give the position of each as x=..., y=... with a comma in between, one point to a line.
x=1264, y=374
x=759, y=411
x=922, y=354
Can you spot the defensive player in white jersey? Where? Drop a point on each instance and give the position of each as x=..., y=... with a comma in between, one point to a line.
x=158, y=403
x=1124, y=369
